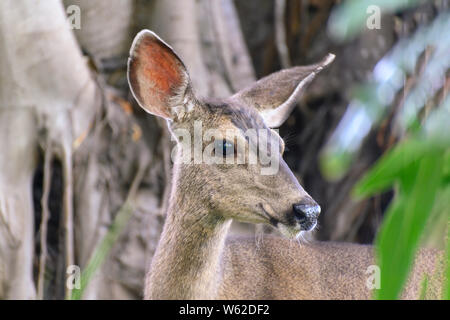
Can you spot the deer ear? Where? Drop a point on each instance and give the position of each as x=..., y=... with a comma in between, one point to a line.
x=157, y=77
x=275, y=96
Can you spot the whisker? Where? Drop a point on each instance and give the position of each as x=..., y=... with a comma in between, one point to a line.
x=259, y=236
x=289, y=139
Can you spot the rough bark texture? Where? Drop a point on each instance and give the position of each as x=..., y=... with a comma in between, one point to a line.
x=47, y=99
x=73, y=139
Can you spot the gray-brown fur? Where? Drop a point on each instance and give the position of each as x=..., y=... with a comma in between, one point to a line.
x=321, y=270
x=193, y=260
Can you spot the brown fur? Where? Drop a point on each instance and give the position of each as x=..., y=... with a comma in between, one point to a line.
x=321, y=270
x=192, y=260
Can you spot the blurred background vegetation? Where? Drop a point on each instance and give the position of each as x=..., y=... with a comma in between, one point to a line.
x=411, y=77
x=369, y=140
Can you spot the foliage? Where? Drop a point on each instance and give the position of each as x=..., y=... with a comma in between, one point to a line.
x=418, y=166
x=103, y=249
x=419, y=171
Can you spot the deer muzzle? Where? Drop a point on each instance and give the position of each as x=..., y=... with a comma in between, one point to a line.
x=306, y=214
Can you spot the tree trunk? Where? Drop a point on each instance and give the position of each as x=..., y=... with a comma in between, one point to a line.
x=47, y=98
x=69, y=115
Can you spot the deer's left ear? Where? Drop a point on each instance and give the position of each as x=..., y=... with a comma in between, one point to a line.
x=275, y=95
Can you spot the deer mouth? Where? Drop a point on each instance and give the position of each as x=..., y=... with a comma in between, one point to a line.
x=294, y=231
x=309, y=226
x=272, y=220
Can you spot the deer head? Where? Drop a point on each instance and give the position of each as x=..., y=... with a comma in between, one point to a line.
x=217, y=140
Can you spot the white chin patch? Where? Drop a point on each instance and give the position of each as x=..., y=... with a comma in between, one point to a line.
x=295, y=232
x=289, y=232
x=313, y=227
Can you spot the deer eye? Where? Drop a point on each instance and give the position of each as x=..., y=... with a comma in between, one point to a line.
x=224, y=148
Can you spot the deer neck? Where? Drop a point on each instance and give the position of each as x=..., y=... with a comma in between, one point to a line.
x=186, y=264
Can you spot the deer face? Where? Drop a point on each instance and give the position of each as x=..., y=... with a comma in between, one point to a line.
x=228, y=158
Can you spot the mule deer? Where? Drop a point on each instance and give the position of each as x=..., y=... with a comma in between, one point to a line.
x=193, y=260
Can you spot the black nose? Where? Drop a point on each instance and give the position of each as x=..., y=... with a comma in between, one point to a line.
x=304, y=212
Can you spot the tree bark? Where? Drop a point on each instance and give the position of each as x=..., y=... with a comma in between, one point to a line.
x=47, y=96
x=56, y=105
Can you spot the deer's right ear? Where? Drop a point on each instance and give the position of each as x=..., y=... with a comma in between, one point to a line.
x=157, y=77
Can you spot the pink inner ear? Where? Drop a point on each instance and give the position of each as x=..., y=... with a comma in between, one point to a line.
x=155, y=72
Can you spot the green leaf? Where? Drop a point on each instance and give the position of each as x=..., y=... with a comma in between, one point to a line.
x=102, y=250
x=424, y=287
x=334, y=164
x=389, y=168
x=447, y=269
x=407, y=216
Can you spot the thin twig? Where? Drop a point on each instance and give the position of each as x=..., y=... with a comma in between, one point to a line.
x=68, y=209
x=280, y=34
x=259, y=235
x=120, y=221
x=44, y=219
